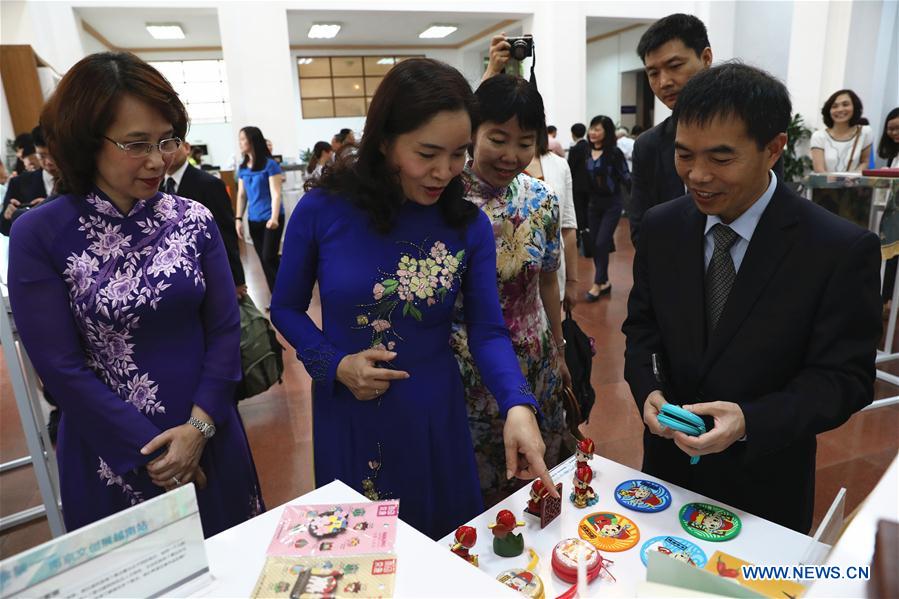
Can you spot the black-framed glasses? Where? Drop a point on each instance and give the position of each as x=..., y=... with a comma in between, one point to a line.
x=140, y=149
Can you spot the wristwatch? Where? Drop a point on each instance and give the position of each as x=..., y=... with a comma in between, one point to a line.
x=208, y=429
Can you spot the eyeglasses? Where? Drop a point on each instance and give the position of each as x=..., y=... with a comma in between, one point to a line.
x=141, y=149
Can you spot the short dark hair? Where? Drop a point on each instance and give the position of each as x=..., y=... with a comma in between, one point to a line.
x=636, y=130
x=23, y=140
x=411, y=94
x=260, y=148
x=78, y=114
x=888, y=149
x=37, y=137
x=342, y=135
x=505, y=96
x=733, y=89
x=686, y=28
x=579, y=130
x=856, y=107
x=551, y=129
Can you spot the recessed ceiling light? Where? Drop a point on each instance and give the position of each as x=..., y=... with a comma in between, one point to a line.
x=323, y=31
x=165, y=31
x=387, y=61
x=437, y=31
x=304, y=61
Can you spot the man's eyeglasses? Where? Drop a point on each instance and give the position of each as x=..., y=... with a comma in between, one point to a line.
x=140, y=149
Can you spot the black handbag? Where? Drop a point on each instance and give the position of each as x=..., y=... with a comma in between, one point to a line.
x=579, y=352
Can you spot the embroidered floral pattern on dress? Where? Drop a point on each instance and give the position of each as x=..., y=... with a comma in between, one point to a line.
x=417, y=283
x=111, y=478
x=117, y=277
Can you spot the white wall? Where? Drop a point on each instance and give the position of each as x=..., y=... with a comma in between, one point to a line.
x=220, y=140
x=607, y=59
x=772, y=22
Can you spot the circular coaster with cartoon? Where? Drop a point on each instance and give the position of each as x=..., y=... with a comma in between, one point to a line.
x=608, y=531
x=709, y=522
x=678, y=548
x=643, y=496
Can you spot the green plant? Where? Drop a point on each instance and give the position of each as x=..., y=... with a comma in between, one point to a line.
x=795, y=166
x=306, y=155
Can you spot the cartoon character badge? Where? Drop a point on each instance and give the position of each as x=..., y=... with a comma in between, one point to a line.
x=608, y=531
x=329, y=523
x=524, y=581
x=709, y=522
x=643, y=496
x=676, y=547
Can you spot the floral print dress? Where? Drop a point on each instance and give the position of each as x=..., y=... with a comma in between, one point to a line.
x=525, y=219
x=130, y=320
x=396, y=291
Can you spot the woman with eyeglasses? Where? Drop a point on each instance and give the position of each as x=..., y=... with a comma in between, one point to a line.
x=124, y=300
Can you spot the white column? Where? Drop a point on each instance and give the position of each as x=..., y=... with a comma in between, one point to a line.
x=256, y=50
x=560, y=36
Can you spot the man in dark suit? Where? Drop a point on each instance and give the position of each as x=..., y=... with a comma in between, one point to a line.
x=187, y=181
x=760, y=309
x=580, y=183
x=673, y=50
x=29, y=189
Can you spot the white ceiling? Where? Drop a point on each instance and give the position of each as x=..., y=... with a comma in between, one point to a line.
x=380, y=28
x=125, y=27
x=601, y=25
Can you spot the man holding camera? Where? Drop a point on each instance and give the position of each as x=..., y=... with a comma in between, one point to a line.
x=503, y=49
x=30, y=189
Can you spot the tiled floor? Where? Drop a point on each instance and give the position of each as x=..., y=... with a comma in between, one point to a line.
x=278, y=422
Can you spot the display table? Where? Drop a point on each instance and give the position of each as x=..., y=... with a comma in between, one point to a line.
x=424, y=569
x=759, y=542
x=856, y=545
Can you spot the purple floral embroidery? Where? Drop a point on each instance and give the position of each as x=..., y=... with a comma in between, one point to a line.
x=80, y=272
x=120, y=289
x=112, y=478
x=142, y=395
x=109, y=243
x=115, y=276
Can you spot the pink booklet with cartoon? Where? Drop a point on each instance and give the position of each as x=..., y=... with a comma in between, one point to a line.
x=336, y=529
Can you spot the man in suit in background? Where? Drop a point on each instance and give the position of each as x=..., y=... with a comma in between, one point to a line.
x=32, y=188
x=760, y=309
x=673, y=49
x=187, y=181
x=580, y=184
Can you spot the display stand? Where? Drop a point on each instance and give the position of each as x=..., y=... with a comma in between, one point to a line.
x=869, y=202
x=42, y=456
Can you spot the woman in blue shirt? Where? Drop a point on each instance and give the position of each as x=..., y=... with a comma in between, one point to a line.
x=259, y=185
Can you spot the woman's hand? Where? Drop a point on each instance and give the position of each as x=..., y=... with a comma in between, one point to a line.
x=365, y=380
x=184, y=445
x=238, y=224
x=198, y=477
x=272, y=223
x=525, y=448
x=500, y=53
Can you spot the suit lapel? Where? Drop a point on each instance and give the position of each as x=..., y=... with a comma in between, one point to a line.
x=672, y=184
x=690, y=276
x=772, y=239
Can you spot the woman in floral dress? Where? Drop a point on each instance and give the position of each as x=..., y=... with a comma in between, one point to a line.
x=525, y=218
x=391, y=242
x=124, y=300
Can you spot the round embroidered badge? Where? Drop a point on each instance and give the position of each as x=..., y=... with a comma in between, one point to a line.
x=676, y=547
x=608, y=531
x=709, y=522
x=643, y=496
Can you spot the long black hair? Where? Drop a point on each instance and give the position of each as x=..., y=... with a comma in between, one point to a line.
x=410, y=95
x=260, y=149
x=887, y=149
x=609, y=140
x=320, y=148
